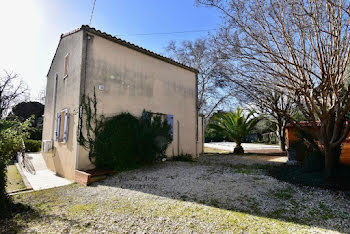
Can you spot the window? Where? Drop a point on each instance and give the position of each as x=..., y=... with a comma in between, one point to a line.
x=66, y=64
x=168, y=118
x=62, y=126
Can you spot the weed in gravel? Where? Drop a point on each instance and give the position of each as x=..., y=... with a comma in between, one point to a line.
x=278, y=213
x=344, y=215
x=256, y=178
x=283, y=194
x=325, y=212
x=214, y=203
x=248, y=171
x=83, y=208
x=253, y=169
x=249, y=202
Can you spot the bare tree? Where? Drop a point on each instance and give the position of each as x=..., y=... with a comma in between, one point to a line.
x=301, y=46
x=12, y=90
x=267, y=102
x=213, y=88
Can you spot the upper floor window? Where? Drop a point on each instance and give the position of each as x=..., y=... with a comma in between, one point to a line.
x=66, y=64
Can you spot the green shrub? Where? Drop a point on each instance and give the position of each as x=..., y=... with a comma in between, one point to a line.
x=115, y=145
x=32, y=145
x=126, y=142
x=213, y=136
x=35, y=134
x=11, y=135
x=153, y=137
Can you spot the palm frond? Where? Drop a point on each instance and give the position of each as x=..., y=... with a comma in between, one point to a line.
x=235, y=125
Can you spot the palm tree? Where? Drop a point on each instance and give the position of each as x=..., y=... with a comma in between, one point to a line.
x=235, y=126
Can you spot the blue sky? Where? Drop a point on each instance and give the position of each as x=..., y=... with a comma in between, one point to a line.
x=31, y=28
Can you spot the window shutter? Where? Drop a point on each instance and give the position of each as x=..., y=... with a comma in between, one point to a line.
x=170, y=120
x=58, y=126
x=65, y=131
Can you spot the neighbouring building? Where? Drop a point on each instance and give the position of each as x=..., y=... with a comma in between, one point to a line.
x=298, y=152
x=126, y=77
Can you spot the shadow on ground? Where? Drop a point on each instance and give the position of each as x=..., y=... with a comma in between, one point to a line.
x=21, y=218
x=151, y=198
x=7, y=222
x=238, y=183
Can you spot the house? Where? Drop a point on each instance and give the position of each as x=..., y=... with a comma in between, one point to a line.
x=126, y=77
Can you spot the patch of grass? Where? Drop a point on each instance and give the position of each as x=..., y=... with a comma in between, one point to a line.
x=224, y=220
x=253, y=169
x=344, y=215
x=83, y=208
x=250, y=202
x=14, y=179
x=283, y=194
x=203, y=218
x=249, y=171
x=214, y=202
x=13, y=209
x=278, y=213
x=325, y=213
x=209, y=150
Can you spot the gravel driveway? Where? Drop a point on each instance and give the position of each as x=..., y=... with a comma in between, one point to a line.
x=218, y=193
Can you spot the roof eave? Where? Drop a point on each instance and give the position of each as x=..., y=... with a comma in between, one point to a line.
x=136, y=47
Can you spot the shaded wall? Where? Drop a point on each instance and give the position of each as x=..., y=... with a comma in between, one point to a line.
x=62, y=159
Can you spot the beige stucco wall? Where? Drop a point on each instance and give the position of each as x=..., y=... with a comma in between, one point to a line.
x=200, y=144
x=62, y=159
x=134, y=81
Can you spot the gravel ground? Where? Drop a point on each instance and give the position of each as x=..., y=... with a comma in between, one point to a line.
x=220, y=194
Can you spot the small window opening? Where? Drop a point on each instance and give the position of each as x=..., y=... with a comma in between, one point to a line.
x=66, y=64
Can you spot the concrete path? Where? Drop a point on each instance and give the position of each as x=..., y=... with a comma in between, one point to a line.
x=37, y=174
x=229, y=146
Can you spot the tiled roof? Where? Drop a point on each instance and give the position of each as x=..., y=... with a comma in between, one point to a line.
x=129, y=45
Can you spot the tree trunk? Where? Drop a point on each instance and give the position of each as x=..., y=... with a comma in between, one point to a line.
x=238, y=149
x=282, y=135
x=283, y=143
x=331, y=156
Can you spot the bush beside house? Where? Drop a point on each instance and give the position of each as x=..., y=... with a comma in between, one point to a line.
x=125, y=141
x=32, y=145
x=11, y=135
